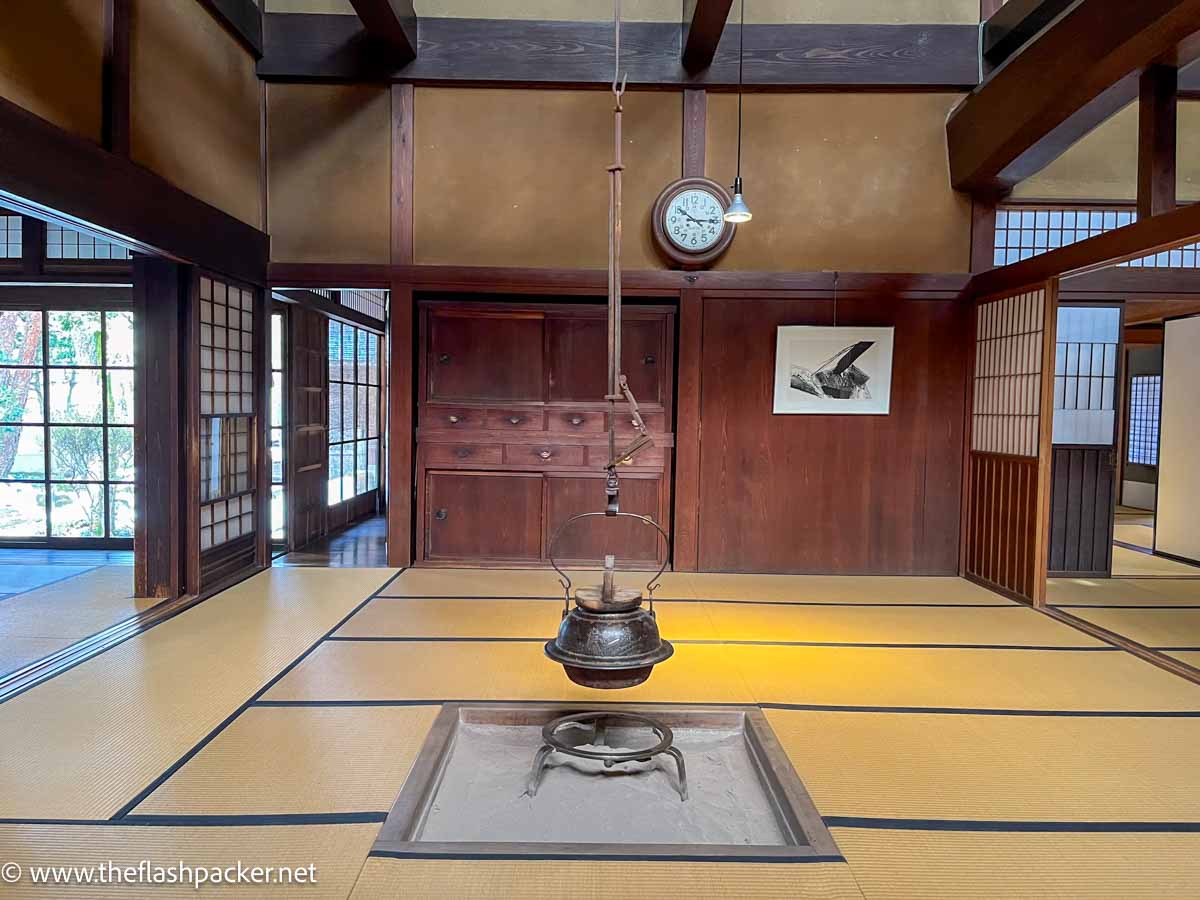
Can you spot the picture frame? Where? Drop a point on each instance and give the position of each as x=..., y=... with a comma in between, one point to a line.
x=821, y=370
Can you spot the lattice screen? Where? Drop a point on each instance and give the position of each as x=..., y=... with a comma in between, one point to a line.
x=10, y=237
x=1008, y=375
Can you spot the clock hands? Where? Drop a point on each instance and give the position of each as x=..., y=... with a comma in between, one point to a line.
x=697, y=221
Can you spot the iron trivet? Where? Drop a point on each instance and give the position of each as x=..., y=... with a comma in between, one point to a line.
x=567, y=734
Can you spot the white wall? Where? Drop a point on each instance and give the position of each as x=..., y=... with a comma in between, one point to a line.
x=1177, y=525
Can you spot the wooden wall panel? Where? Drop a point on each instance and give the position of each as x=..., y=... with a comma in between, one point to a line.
x=1081, y=506
x=1001, y=538
x=853, y=182
x=830, y=494
x=329, y=172
x=519, y=177
x=51, y=58
x=196, y=106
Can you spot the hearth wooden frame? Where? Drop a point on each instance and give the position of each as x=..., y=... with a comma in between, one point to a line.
x=808, y=838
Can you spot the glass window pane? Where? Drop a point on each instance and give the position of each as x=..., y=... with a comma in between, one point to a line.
x=372, y=465
x=276, y=455
x=362, y=357
x=335, y=351
x=335, y=475
x=120, y=454
x=347, y=411
x=360, y=478
x=348, y=333
x=277, y=399
x=276, y=340
x=335, y=413
x=21, y=395
x=118, y=338
x=373, y=360
x=120, y=397
x=23, y=452
x=373, y=412
x=75, y=395
x=21, y=337
x=278, y=513
x=22, y=510
x=76, y=454
x=120, y=510
x=77, y=510
x=347, y=471
x=360, y=429
x=74, y=337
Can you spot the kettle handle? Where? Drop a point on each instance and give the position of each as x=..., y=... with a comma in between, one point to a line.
x=565, y=580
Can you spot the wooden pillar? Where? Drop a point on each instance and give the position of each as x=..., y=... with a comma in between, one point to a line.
x=160, y=293
x=115, y=79
x=983, y=235
x=686, y=541
x=695, y=123
x=1158, y=91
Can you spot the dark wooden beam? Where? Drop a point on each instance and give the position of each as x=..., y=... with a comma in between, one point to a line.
x=401, y=424
x=1079, y=70
x=331, y=309
x=392, y=23
x=1158, y=90
x=115, y=78
x=497, y=52
x=703, y=23
x=48, y=173
x=1144, y=237
x=242, y=19
x=1011, y=25
x=695, y=130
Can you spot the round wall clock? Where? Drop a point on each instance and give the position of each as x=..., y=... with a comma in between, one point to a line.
x=688, y=222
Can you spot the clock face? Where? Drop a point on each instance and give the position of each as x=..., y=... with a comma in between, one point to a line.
x=694, y=220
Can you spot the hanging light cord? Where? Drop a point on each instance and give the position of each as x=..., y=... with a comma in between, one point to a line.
x=741, y=60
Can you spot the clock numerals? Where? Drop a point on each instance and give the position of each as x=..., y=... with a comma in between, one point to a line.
x=694, y=220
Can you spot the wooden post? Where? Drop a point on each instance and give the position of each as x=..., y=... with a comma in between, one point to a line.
x=687, y=433
x=1158, y=91
x=1045, y=446
x=160, y=298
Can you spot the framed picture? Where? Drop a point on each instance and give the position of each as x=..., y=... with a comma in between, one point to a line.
x=833, y=371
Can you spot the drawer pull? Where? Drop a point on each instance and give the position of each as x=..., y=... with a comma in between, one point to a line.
x=463, y=452
x=515, y=420
x=545, y=454
x=576, y=420
x=440, y=515
x=649, y=360
x=454, y=420
x=444, y=358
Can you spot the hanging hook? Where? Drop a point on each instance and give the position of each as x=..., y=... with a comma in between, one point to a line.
x=619, y=81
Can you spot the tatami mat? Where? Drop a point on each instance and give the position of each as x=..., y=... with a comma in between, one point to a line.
x=336, y=853
x=1136, y=534
x=972, y=679
x=1172, y=590
x=1152, y=627
x=514, y=582
x=1041, y=768
x=1133, y=562
x=1191, y=657
x=18, y=576
x=84, y=743
x=299, y=760
x=1121, y=591
x=385, y=879
x=898, y=865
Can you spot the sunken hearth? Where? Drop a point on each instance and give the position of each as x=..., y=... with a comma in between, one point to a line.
x=471, y=791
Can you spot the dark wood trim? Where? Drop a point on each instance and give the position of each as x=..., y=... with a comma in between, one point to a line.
x=160, y=299
x=695, y=131
x=686, y=539
x=51, y=174
x=392, y=23
x=51, y=296
x=1079, y=70
x=1132, y=283
x=33, y=247
x=988, y=8
x=402, y=174
x=983, y=235
x=1041, y=563
x=115, y=78
x=1009, y=25
x=1142, y=238
x=594, y=282
x=328, y=308
x=401, y=421
x=262, y=426
x=507, y=52
x=1158, y=89
x=703, y=23
x=189, y=527
x=241, y=18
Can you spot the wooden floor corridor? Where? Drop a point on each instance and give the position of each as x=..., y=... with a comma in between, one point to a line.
x=956, y=744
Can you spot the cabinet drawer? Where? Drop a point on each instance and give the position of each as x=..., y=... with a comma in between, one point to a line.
x=483, y=515
x=453, y=418
x=542, y=455
x=650, y=456
x=584, y=421
x=655, y=422
x=514, y=420
x=468, y=454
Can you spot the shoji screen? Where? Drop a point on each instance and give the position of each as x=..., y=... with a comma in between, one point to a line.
x=1004, y=542
x=1177, y=527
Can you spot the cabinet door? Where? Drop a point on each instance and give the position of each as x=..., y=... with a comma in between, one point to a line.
x=489, y=357
x=579, y=358
x=591, y=539
x=478, y=515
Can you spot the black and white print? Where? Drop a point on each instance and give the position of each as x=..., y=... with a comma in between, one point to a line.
x=825, y=371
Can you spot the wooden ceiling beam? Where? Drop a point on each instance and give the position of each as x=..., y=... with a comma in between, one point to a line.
x=703, y=23
x=391, y=22
x=1158, y=93
x=1079, y=70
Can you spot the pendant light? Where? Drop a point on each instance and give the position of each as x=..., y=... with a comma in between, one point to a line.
x=738, y=212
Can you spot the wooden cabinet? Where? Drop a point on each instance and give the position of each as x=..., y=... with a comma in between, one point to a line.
x=512, y=432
